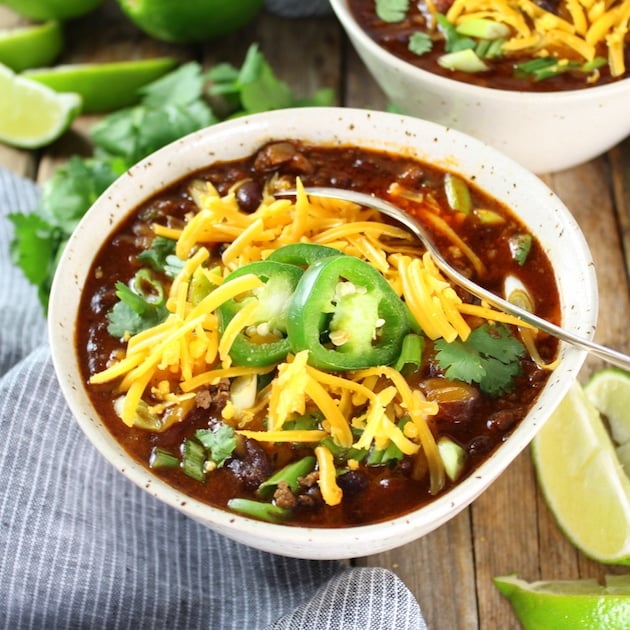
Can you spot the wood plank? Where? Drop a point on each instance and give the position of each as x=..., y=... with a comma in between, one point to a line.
x=588, y=193
x=439, y=570
x=620, y=161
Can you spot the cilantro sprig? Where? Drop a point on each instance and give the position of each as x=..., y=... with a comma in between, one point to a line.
x=490, y=357
x=392, y=10
x=185, y=100
x=142, y=305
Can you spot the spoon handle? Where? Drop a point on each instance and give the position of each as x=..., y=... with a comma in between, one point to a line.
x=607, y=354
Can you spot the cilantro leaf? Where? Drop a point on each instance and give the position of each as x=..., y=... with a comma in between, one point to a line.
x=74, y=187
x=34, y=245
x=392, y=10
x=142, y=305
x=490, y=357
x=256, y=88
x=420, y=43
x=180, y=87
x=220, y=443
x=460, y=361
x=39, y=237
x=156, y=255
x=134, y=133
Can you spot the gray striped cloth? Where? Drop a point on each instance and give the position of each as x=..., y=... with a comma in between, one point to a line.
x=82, y=547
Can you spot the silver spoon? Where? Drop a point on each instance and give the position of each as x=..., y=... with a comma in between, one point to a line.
x=607, y=354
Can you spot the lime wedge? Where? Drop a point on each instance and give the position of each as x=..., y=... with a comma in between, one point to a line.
x=582, y=480
x=32, y=115
x=51, y=9
x=569, y=604
x=190, y=21
x=609, y=391
x=104, y=86
x=25, y=47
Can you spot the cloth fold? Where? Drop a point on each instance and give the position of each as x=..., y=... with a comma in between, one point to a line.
x=82, y=547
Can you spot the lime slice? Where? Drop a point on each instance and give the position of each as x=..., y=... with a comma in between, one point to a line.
x=569, y=604
x=32, y=115
x=582, y=479
x=51, y=9
x=609, y=391
x=190, y=21
x=25, y=47
x=104, y=86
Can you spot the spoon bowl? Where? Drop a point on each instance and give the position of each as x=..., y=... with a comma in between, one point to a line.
x=609, y=355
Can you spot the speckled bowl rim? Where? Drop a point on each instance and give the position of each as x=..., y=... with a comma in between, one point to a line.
x=537, y=205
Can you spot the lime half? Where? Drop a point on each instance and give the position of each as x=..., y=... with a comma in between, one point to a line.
x=190, y=21
x=32, y=115
x=569, y=604
x=25, y=47
x=104, y=86
x=582, y=480
x=609, y=391
x=52, y=9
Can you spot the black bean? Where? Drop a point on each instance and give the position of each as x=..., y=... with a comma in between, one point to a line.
x=503, y=420
x=253, y=467
x=480, y=445
x=249, y=196
x=353, y=482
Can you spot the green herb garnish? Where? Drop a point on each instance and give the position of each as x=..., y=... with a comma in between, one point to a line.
x=171, y=107
x=520, y=246
x=391, y=10
x=546, y=67
x=142, y=305
x=219, y=443
x=420, y=43
x=490, y=357
x=453, y=40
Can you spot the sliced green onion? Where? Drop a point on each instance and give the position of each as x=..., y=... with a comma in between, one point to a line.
x=488, y=217
x=453, y=40
x=344, y=454
x=194, y=459
x=160, y=458
x=453, y=457
x=520, y=246
x=495, y=49
x=410, y=354
x=257, y=509
x=306, y=422
x=546, y=67
x=290, y=474
x=462, y=60
x=457, y=193
x=483, y=29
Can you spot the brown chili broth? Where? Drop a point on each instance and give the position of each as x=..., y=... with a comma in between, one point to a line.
x=394, y=37
x=390, y=492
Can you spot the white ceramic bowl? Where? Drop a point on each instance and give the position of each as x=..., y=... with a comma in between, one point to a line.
x=545, y=132
x=539, y=208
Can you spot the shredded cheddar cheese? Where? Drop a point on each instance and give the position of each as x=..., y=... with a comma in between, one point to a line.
x=587, y=27
x=166, y=366
x=331, y=492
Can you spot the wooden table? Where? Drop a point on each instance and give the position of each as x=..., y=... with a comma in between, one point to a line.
x=509, y=528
